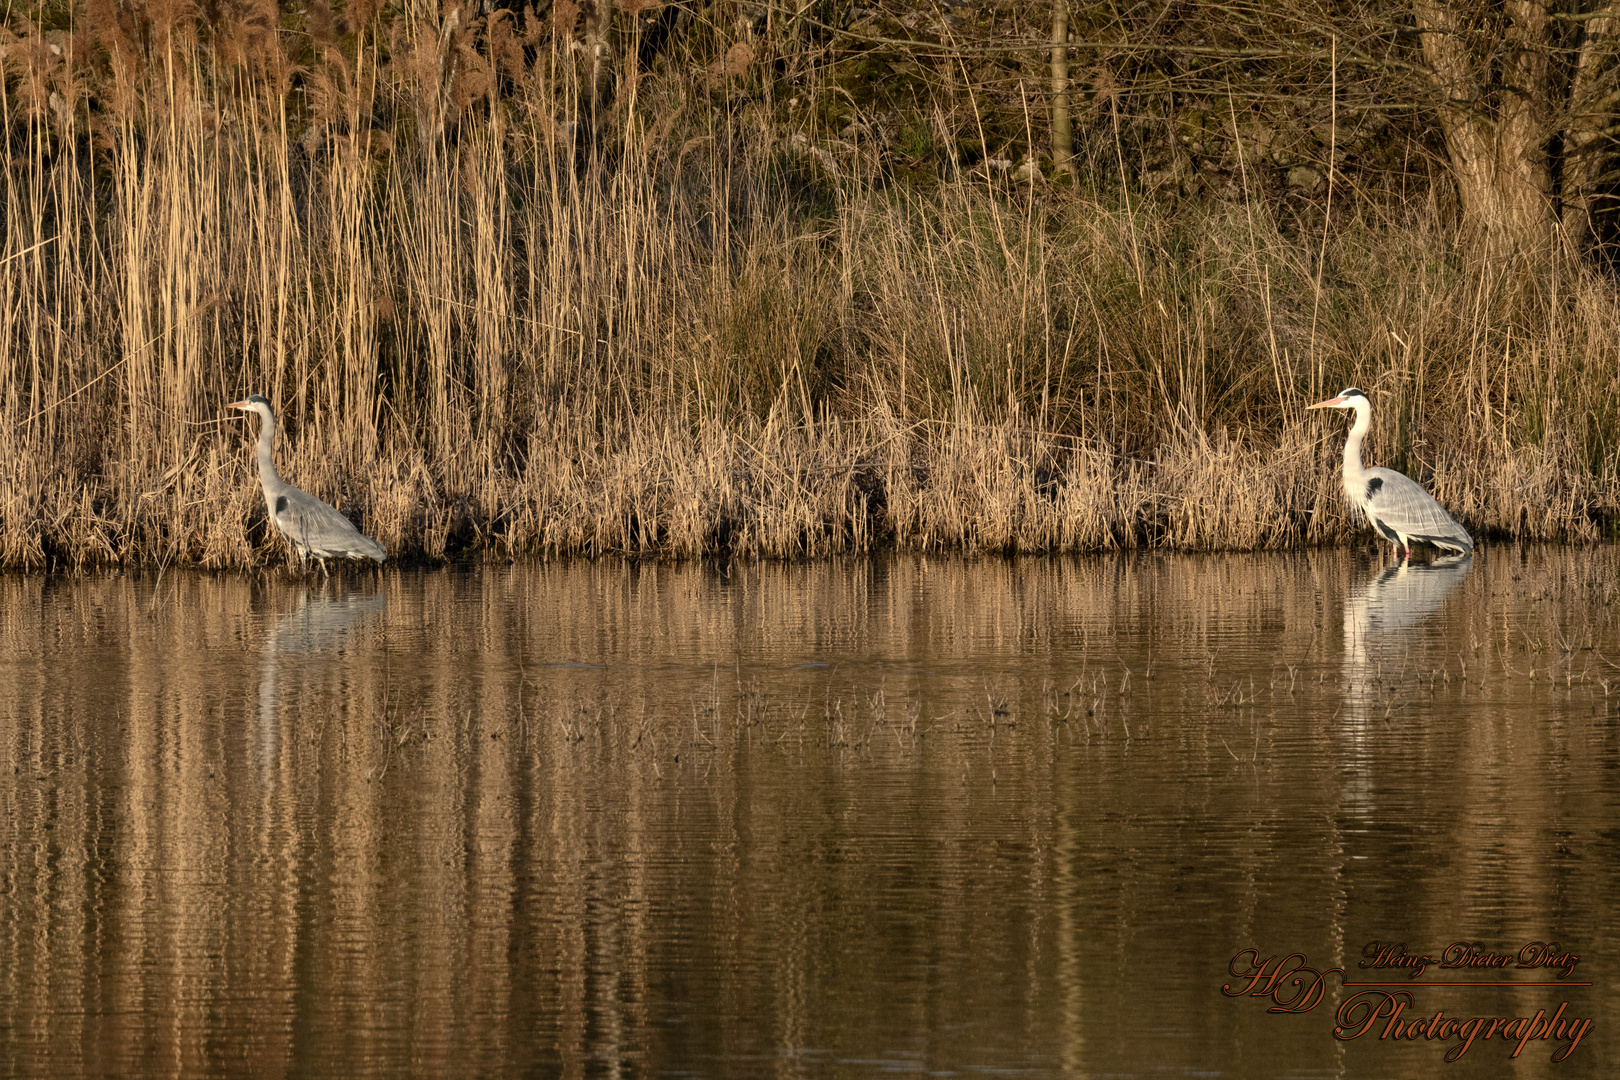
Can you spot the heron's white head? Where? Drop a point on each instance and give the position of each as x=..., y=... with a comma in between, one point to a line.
x=254, y=403
x=1348, y=398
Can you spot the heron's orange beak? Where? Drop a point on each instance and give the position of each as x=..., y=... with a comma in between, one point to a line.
x=1330, y=403
x=244, y=406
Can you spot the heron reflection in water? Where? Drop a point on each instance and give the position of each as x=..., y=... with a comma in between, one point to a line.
x=1386, y=617
x=311, y=636
x=314, y=528
x=1386, y=621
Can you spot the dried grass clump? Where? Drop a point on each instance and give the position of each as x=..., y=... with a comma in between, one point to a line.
x=511, y=290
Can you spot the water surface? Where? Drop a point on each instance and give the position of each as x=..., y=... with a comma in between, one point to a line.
x=840, y=819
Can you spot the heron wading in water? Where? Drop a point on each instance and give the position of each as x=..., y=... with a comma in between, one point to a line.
x=1396, y=506
x=314, y=528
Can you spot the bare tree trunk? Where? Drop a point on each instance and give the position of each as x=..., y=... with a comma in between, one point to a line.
x=1499, y=161
x=1062, y=126
x=1591, y=107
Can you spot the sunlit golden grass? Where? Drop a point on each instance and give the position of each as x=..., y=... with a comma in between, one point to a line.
x=532, y=321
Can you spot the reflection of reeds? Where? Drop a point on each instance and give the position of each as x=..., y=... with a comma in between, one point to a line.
x=506, y=296
x=487, y=797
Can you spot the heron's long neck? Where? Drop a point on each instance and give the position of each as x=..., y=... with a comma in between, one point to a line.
x=1355, y=477
x=267, y=465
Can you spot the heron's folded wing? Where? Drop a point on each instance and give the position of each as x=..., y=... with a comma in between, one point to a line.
x=319, y=529
x=1401, y=503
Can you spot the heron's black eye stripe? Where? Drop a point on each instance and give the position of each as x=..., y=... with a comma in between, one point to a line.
x=281, y=502
x=1372, y=487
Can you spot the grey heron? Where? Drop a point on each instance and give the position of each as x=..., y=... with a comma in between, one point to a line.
x=1396, y=506
x=311, y=526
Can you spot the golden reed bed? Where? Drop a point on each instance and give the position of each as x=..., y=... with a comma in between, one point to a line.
x=501, y=308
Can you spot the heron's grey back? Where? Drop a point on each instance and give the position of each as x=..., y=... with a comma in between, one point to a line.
x=317, y=529
x=1401, y=503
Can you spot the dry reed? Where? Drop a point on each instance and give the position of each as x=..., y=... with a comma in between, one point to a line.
x=513, y=294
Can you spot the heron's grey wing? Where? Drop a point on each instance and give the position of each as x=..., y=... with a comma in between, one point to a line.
x=1400, y=503
x=320, y=530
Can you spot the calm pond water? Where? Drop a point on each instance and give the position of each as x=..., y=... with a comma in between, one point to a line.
x=909, y=816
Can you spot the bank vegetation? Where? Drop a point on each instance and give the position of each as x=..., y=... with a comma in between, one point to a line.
x=778, y=281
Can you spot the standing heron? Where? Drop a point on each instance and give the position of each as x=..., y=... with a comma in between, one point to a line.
x=1396, y=506
x=311, y=526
